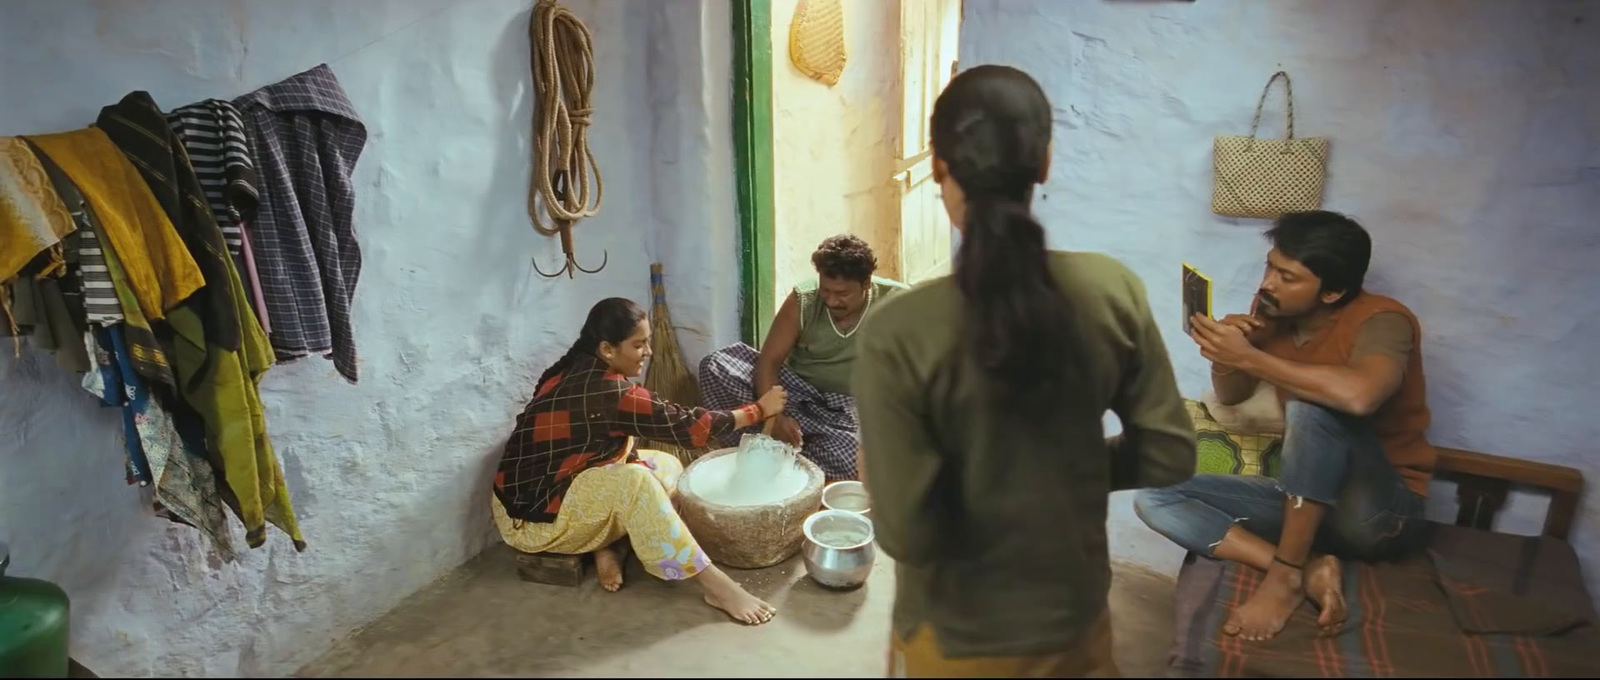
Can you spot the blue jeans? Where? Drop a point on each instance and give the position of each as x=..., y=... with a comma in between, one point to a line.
x=1328, y=458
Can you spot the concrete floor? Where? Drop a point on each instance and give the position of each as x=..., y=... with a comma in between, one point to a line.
x=481, y=621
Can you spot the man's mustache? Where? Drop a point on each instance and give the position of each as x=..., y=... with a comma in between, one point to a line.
x=1267, y=298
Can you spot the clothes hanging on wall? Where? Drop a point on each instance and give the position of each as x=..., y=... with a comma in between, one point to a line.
x=219, y=351
x=185, y=484
x=147, y=356
x=306, y=139
x=129, y=251
x=213, y=135
x=105, y=381
x=139, y=129
x=39, y=309
x=258, y=301
x=159, y=265
x=100, y=304
x=32, y=217
x=126, y=352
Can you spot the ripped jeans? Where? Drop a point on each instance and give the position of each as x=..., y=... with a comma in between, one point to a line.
x=1329, y=458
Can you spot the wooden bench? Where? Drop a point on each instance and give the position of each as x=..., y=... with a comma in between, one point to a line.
x=551, y=568
x=1542, y=568
x=1482, y=482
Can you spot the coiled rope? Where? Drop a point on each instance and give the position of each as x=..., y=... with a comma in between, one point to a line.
x=562, y=60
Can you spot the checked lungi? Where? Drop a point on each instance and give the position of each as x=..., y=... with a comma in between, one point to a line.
x=829, y=430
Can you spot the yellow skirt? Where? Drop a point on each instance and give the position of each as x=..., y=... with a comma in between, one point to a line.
x=604, y=504
x=921, y=657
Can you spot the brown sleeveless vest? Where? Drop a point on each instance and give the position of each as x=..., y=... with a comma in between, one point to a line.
x=1402, y=421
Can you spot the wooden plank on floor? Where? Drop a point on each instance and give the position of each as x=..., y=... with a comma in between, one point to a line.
x=550, y=568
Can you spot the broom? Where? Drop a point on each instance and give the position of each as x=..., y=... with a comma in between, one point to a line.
x=668, y=376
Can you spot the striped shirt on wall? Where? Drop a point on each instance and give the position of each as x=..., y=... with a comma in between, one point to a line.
x=213, y=135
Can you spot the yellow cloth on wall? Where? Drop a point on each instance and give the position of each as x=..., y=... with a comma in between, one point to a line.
x=158, y=264
x=32, y=217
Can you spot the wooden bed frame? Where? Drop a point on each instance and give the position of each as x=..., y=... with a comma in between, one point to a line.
x=1482, y=482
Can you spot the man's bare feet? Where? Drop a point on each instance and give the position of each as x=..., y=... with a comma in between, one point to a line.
x=1269, y=608
x=723, y=593
x=1325, y=587
x=608, y=566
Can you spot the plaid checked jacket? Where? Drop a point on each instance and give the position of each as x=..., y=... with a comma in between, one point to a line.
x=586, y=417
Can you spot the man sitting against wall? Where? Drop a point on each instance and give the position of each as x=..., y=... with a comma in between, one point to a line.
x=809, y=351
x=1356, y=464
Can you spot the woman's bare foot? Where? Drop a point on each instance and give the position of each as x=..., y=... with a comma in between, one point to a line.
x=1325, y=588
x=1268, y=610
x=723, y=593
x=608, y=566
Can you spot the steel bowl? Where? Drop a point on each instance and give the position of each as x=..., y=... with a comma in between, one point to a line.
x=849, y=496
x=838, y=550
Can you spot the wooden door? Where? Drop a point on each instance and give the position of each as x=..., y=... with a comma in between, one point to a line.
x=930, y=37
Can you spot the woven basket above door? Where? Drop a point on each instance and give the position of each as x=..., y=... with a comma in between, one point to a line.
x=816, y=39
x=1255, y=177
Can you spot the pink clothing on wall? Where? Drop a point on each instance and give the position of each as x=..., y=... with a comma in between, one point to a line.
x=255, y=281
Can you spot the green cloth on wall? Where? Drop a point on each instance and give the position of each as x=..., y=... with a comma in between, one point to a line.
x=41, y=311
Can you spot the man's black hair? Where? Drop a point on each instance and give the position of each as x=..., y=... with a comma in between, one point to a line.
x=845, y=257
x=1334, y=247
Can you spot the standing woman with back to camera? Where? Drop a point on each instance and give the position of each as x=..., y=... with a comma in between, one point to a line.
x=981, y=398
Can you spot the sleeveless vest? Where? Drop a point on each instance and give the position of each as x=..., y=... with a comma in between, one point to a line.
x=822, y=355
x=1401, y=422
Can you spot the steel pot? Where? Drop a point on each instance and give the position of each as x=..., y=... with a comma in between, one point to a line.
x=849, y=495
x=838, y=550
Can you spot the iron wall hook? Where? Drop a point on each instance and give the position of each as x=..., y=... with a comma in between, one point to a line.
x=571, y=266
x=564, y=227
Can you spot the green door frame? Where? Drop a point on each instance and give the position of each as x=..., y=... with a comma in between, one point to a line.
x=752, y=133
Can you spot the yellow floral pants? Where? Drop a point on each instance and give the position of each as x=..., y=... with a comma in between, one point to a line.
x=604, y=504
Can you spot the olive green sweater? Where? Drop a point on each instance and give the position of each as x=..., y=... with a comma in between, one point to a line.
x=998, y=523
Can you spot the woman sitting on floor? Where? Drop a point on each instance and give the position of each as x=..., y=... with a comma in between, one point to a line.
x=571, y=481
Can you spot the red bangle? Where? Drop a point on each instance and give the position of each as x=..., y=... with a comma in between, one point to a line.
x=761, y=413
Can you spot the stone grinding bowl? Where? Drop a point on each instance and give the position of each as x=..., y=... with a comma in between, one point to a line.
x=753, y=536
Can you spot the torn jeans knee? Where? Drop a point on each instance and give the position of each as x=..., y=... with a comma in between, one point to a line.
x=1211, y=550
x=1298, y=500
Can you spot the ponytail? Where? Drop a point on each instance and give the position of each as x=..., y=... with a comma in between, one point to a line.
x=990, y=134
x=1019, y=326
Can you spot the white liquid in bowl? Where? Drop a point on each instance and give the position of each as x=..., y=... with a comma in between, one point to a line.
x=842, y=537
x=853, y=502
x=750, y=476
x=838, y=529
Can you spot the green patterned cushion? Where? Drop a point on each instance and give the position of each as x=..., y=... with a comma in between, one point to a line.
x=1218, y=451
